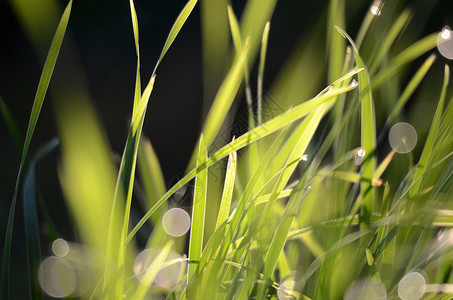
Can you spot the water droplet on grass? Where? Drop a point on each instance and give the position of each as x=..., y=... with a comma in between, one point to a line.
x=176, y=222
x=354, y=83
x=445, y=42
x=304, y=157
x=60, y=247
x=412, y=286
x=57, y=277
x=402, y=137
x=376, y=8
x=359, y=157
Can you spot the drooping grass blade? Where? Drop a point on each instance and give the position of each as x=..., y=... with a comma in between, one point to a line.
x=37, y=105
x=31, y=220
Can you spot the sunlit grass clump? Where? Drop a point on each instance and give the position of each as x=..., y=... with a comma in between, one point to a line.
x=308, y=203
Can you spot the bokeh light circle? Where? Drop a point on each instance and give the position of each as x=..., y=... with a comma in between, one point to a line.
x=57, y=277
x=403, y=137
x=365, y=289
x=167, y=277
x=412, y=286
x=60, y=247
x=445, y=42
x=176, y=222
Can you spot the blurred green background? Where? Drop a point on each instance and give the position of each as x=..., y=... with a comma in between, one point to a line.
x=99, y=49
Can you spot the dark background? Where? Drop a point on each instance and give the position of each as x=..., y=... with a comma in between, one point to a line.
x=101, y=33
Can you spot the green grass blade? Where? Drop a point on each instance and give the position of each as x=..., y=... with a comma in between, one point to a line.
x=228, y=188
x=415, y=50
x=427, y=149
x=264, y=40
x=410, y=88
x=137, y=50
x=31, y=220
x=198, y=209
x=37, y=105
x=336, y=44
x=151, y=272
x=225, y=97
x=150, y=172
x=389, y=40
x=368, y=130
x=180, y=20
x=234, y=28
x=12, y=125
x=257, y=133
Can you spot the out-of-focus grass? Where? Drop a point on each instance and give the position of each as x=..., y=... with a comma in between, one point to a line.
x=308, y=209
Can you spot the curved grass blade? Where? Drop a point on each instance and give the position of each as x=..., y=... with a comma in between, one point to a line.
x=37, y=105
x=415, y=50
x=180, y=20
x=198, y=209
x=368, y=131
x=228, y=188
x=427, y=149
x=137, y=50
x=31, y=220
x=257, y=133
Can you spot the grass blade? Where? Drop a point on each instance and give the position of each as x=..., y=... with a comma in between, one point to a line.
x=37, y=105
x=31, y=220
x=180, y=20
x=228, y=188
x=415, y=50
x=390, y=38
x=368, y=131
x=198, y=209
x=264, y=40
x=152, y=271
x=257, y=133
x=336, y=44
x=12, y=125
x=424, y=158
x=137, y=50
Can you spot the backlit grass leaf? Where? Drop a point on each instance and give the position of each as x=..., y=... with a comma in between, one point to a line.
x=198, y=209
x=37, y=105
x=228, y=188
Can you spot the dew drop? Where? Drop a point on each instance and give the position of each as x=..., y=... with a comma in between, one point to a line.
x=354, y=83
x=412, y=286
x=402, y=137
x=376, y=8
x=57, y=277
x=365, y=289
x=359, y=157
x=60, y=247
x=176, y=222
x=445, y=42
x=361, y=152
x=304, y=157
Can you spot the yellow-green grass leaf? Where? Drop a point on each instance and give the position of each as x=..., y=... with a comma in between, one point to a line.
x=410, y=88
x=198, y=209
x=31, y=222
x=150, y=172
x=307, y=130
x=228, y=188
x=411, y=53
x=422, y=165
x=151, y=272
x=367, y=20
x=11, y=124
x=352, y=177
x=264, y=41
x=383, y=166
x=137, y=49
x=37, y=105
x=368, y=131
x=180, y=20
x=234, y=28
x=251, y=136
x=336, y=44
x=389, y=40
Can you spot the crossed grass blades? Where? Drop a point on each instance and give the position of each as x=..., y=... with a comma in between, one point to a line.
x=309, y=210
